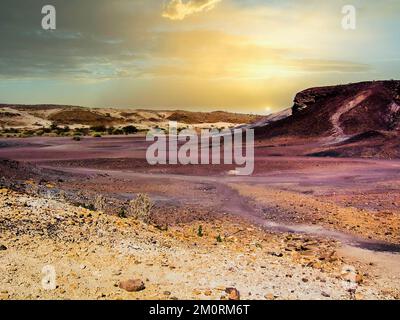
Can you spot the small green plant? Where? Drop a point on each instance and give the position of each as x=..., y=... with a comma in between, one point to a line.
x=97, y=135
x=200, y=231
x=122, y=213
x=219, y=239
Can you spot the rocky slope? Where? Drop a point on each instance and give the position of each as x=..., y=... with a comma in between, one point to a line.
x=361, y=119
x=97, y=256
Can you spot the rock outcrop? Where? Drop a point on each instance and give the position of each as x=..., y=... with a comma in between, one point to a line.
x=344, y=115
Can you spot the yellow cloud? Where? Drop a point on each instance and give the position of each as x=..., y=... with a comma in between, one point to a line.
x=178, y=10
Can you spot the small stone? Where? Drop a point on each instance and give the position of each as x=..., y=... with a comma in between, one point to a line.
x=276, y=254
x=304, y=280
x=359, y=296
x=359, y=278
x=132, y=285
x=167, y=293
x=269, y=296
x=233, y=294
x=3, y=247
x=196, y=292
x=208, y=292
x=4, y=296
x=324, y=294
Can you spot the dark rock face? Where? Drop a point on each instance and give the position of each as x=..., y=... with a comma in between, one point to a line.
x=361, y=106
x=341, y=110
x=353, y=120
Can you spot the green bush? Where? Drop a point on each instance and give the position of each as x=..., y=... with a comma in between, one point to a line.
x=99, y=128
x=122, y=213
x=81, y=131
x=130, y=129
x=110, y=130
x=200, y=231
x=117, y=132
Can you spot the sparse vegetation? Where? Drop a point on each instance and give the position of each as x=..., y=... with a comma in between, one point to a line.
x=100, y=203
x=54, y=130
x=117, y=132
x=122, y=213
x=129, y=129
x=141, y=207
x=200, y=231
x=89, y=206
x=100, y=128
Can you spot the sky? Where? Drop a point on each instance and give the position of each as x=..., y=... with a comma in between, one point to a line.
x=248, y=56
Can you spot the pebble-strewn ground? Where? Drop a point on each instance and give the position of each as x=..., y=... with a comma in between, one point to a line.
x=92, y=253
x=383, y=225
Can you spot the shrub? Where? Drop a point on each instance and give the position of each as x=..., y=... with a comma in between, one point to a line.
x=118, y=132
x=110, y=130
x=76, y=138
x=97, y=135
x=219, y=239
x=81, y=131
x=200, y=231
x=100, y=203
x=99, y=128
x=141, y=207
x=122, y=213
x=130, y=129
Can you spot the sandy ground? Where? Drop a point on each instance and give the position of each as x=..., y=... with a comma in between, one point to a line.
x=92, y=252
x=289, y=231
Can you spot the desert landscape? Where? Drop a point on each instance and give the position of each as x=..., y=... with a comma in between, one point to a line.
x=318, y=219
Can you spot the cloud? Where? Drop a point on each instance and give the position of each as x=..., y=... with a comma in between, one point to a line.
x=242, y=55
x=179, y=10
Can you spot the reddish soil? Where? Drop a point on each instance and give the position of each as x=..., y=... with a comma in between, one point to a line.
x=357, y=197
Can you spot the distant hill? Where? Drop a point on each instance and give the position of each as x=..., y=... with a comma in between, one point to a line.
x=35, y=116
